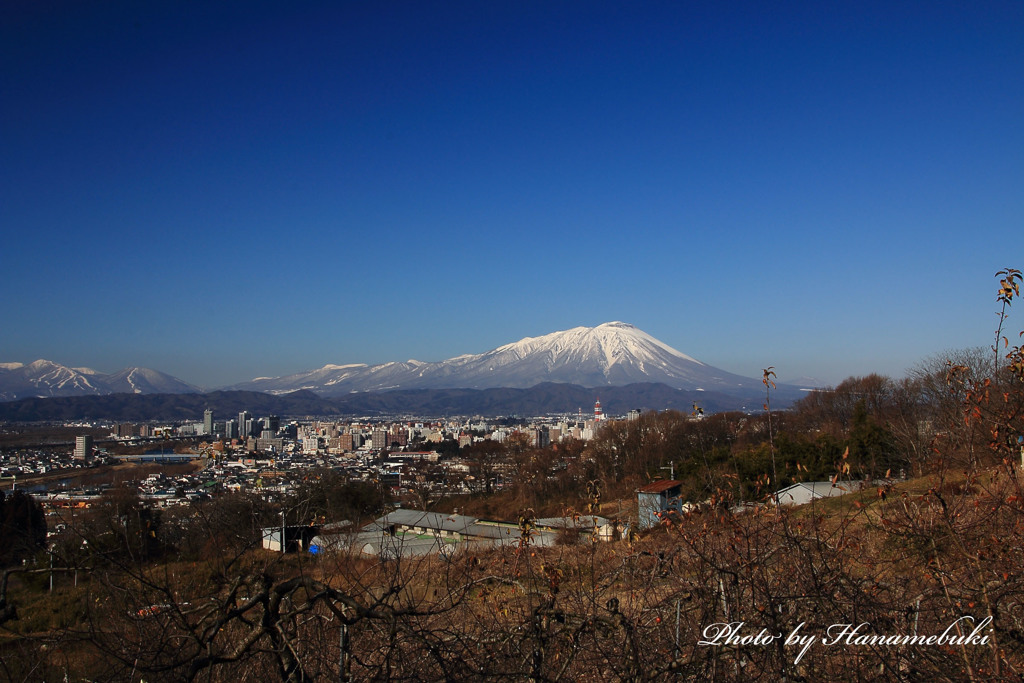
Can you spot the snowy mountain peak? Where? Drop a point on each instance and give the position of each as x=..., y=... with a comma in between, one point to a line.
x=144, y=381
x=46, y=378
x=613, y=353
x=606, y=344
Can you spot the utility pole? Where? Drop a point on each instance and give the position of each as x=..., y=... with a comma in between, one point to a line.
x=344, y=676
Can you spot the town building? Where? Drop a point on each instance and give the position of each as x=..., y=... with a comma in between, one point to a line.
x=654, y=499
x=83, y=447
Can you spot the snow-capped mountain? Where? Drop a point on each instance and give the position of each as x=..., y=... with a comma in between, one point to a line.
x=146, y=381
x=46, y=378
x=612, y=354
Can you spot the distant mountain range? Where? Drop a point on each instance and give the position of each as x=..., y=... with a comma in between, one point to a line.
x=555, y=368
x=44, y=378
x=542, y=399
x=612, y=354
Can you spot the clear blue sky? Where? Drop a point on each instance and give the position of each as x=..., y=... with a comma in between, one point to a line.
x=226, y=190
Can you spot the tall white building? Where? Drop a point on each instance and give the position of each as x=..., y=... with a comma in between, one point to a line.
x=83, y=447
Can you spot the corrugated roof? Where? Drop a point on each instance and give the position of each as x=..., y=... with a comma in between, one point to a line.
x=428, y=520
x=815, y=489
x=493, y=531
x=659, y=486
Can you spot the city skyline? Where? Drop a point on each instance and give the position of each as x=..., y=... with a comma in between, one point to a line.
x=249, y=189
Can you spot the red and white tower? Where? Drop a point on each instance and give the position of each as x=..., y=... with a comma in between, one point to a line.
x=598, y=413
